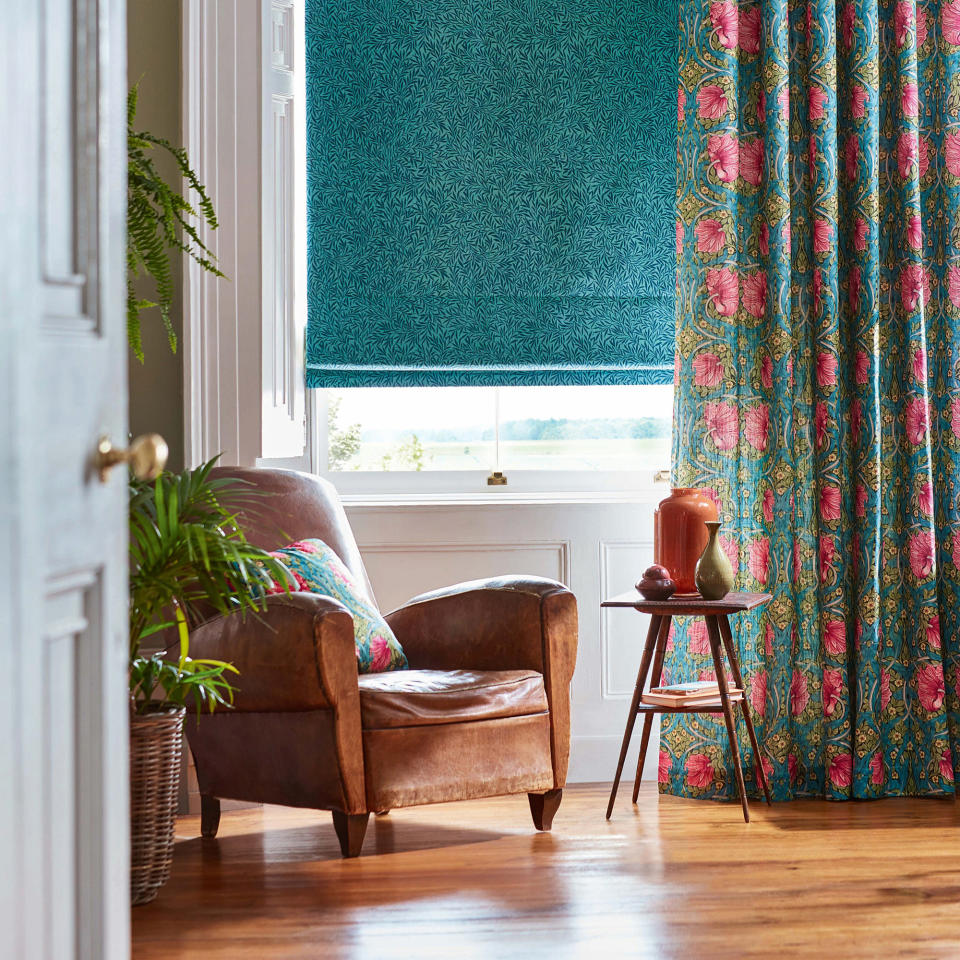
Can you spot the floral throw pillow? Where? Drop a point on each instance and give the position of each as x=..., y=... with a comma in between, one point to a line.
x=317, y=569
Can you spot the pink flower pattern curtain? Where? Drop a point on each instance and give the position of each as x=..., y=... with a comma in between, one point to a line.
x=818, y=342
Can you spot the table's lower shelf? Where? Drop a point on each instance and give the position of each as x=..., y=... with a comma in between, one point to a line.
x=696, y=708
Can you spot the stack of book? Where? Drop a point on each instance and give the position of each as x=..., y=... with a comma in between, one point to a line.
x=703, y=693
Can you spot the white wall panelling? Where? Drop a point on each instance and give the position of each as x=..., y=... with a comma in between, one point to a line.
x=243, y=335
x=222, y=317
x=282, y=34
x=402, y=569
x=596, y=548
x=621, y=564
x=283, y=429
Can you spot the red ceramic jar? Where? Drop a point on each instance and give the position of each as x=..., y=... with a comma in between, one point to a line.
x=680, y=535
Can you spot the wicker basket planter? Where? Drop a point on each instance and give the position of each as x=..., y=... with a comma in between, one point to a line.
x=155, y=743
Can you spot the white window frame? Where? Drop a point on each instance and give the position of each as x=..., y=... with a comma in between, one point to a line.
x=243, y=111
x=242, y=118
x=466, y=485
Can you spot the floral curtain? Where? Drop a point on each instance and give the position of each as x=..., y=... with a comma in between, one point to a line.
x=818, y=317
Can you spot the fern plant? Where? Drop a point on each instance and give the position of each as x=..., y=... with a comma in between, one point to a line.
x=160, y=220
x=189, y=560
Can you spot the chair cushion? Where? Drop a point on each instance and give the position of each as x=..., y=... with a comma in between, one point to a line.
x=317, y=569
x=416, y=698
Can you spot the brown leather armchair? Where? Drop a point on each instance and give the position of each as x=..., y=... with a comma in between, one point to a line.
x=483, y=711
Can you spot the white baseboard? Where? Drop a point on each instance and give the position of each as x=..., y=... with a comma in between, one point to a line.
x=593, y=759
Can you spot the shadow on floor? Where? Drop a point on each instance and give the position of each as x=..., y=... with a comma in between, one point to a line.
x=318, y=842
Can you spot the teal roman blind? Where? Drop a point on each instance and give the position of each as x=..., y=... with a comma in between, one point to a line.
x=491, y=188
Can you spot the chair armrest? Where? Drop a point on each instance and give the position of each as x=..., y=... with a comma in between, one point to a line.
x=507, y=623
x=297, y=654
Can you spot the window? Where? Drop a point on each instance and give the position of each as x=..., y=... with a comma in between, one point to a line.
x=530, y=242
x=392, y=437
x=490, y=194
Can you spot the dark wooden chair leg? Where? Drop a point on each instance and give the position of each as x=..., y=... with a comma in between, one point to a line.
x=634, y=703
x=209, y=815
x=713, y=630
x=655, y=676
x=727, y=636
x=351, y=828
x=543, y=806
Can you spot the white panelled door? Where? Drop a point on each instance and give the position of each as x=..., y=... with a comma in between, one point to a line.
x=63, y=714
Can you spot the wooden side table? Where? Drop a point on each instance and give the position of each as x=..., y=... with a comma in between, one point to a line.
x=715, y=613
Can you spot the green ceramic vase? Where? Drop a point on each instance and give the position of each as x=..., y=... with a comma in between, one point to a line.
x=714, y=575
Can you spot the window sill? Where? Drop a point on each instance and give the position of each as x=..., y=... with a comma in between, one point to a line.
x=501, y=497
x=439, y=488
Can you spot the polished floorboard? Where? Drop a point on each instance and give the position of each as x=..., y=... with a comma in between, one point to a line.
x=667, y=878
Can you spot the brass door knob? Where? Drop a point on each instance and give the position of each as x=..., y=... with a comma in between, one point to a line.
x=147, y=456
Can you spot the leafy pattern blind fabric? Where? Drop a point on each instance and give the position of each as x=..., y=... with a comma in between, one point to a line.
x=491, y=188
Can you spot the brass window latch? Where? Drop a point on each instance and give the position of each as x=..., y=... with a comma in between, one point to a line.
x=662, y=476
x=497, y=479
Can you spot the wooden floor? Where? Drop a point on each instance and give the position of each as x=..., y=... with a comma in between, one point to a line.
x=667, y=878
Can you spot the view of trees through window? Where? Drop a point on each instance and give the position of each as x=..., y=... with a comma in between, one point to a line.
x=503, y=428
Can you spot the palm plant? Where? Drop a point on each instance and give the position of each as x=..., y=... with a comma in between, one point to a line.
x=189, y=560
x=158, y=222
